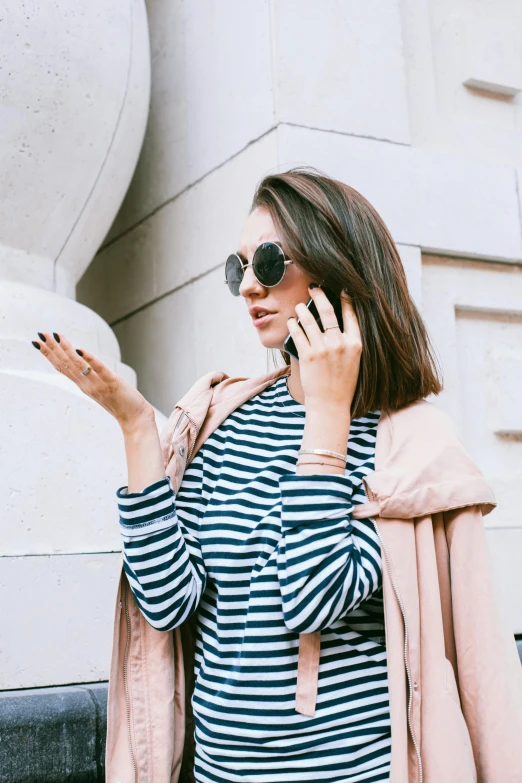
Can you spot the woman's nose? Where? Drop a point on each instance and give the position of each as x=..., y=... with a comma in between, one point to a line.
x=250, y=284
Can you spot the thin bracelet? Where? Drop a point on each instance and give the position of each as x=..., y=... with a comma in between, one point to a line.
x=323, y=453
x=332, y=464
x=328, y=464
x=322, y=462
x=305, y=457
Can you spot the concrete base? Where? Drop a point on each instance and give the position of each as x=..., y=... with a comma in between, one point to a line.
x=50, y=735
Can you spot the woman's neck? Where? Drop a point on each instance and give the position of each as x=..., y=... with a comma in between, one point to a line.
x=294, y=381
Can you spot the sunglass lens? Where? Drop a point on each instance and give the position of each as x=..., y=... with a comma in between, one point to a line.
x=269, y=264
x=233, y=274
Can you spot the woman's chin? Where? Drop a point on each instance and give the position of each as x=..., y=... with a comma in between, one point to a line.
x=272, y=341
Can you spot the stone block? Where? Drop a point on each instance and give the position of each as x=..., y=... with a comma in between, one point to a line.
x=505, y=547
x=80, y=515
x=50, y=735
x=59, y=625
x=474, y=313
x=428, y=199
x=211, y=95
x=185, y=239
x=492, y=59
x=339, y=66
x=448, y=45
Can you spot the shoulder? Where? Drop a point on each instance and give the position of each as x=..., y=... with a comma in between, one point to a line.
x=203, y=385
x=423, y=435
x=221, y=389
x=422, y=420
x=214, y=396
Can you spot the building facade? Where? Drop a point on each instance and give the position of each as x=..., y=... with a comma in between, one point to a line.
x=418, y=105
x=415, y=103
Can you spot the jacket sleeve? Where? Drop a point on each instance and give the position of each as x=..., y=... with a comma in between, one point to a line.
x=327, y=566
x=161, y=555
x=488, y=673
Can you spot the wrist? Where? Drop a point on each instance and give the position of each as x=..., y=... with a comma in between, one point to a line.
x=326, y=429
x=138, y=425
x=319, y=406
x=327, y=415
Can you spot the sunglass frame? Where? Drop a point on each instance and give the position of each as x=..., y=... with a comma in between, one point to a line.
x=244, y=266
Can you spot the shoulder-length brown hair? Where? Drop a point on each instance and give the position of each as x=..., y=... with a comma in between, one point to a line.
x=335, y=235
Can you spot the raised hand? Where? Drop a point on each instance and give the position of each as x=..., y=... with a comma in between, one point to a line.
x=329, y=361
x=128, y=406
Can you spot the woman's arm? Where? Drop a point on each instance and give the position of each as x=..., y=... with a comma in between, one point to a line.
x=143, y=451
x=327, y=373
x=326, y=566
x=162, y=557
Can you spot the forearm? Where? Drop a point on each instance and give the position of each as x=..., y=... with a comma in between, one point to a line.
x=325, y=569
x=325, y=428
x=143, y=451
x=162, y=560
x=167, y=587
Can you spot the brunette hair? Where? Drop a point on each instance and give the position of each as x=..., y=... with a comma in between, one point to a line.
x=335, y=235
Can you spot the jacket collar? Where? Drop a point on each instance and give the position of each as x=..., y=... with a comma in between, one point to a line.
x=421, y=464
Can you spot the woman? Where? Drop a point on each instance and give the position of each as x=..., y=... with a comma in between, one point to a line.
x=305, y=667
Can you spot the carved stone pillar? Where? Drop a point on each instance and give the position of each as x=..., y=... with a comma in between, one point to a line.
x=74, y=94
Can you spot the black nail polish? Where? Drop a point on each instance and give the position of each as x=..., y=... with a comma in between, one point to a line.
x=79, y=352
x=56, y=337
x=314, y=285
x=36, y=345
x=42, y=337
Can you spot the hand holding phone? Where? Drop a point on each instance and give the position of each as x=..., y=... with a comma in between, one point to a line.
x=289, y=345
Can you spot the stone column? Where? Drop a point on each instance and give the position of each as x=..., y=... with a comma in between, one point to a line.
x=74, y=95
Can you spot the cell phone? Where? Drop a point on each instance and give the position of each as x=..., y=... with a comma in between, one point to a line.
x=335, y=299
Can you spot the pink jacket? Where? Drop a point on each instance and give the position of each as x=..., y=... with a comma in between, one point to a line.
x=455, y=679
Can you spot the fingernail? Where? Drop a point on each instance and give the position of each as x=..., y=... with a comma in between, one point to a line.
x=36, y=345
x=79, y=352
x=56, y=337
x=314, y=285
x=41, y=336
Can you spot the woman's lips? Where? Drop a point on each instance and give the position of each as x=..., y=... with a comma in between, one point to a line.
x=258, y=322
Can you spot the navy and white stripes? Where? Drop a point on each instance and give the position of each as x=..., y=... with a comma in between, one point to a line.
x=262, y=555
x=323, y=574
x=166, y=577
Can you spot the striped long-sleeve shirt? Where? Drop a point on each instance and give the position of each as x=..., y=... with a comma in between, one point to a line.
x=262, y=554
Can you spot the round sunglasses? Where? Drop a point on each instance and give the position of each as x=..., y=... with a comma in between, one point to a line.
x=268, y=265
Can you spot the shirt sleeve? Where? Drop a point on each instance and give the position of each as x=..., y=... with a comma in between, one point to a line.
x=161, y=557
x=326, y=566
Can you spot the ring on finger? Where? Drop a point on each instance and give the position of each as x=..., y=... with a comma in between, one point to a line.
x=87, y=370
x=334, y=326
